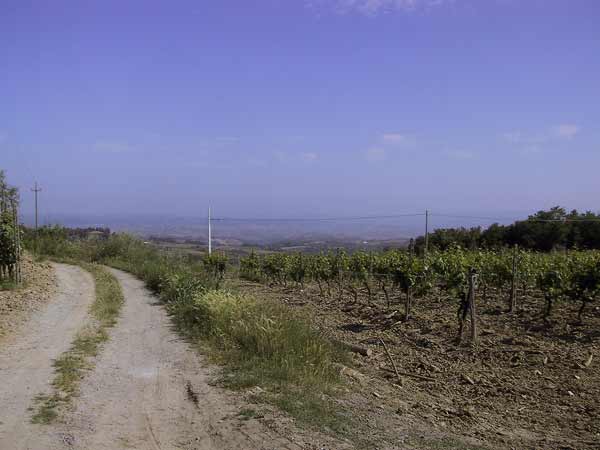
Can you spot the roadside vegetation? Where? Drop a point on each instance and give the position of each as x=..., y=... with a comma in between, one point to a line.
x=260, y=344
x=7, y=285
x=10, y=236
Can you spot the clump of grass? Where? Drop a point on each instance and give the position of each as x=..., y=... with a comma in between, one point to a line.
x=7, y=285
x=262, y=344
x=314, y=408
x=261, y=339
x=109, y=297
x=248, y=413
x=71, y=366
x=47, y=406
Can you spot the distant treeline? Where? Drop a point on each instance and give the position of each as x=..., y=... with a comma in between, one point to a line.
x=59, y=232
x=544, y=231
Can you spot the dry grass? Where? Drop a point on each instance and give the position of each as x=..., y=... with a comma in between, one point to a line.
x=262, y=344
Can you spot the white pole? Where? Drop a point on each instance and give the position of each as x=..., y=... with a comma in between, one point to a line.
x=426, y=232
x=209, y=234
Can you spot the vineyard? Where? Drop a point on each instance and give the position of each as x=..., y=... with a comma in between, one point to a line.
x=401, y=276
x=10, y=242
x=526, y=378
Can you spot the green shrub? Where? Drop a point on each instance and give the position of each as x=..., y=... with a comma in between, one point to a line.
x=261, y=338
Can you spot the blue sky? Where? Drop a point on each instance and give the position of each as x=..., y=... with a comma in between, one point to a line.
x=286, y=108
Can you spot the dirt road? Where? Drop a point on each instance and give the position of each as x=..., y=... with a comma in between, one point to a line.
x=26, y=359
x=148, y=390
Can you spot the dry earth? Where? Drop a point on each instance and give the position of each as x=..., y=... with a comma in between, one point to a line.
x=527, y=385
x=17, y=305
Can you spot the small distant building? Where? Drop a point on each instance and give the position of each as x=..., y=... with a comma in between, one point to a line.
x=96, y=236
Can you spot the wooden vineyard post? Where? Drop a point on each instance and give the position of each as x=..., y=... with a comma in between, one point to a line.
x=513, y=286
x=472, y=279
x=466, y=306
x=407, y=304
x=408, y=300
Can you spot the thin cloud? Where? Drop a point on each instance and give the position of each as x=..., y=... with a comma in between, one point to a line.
x=113, y=147
x=198, y=164
x=373, y=8
x=255, y=162
x=280, y=156
x=531, y=149
x=460, y=154
x=309, y=157
x=553, y=134
x=375, y=154
x=294, y=157
x=394, y=138
x=218, y=142
x=228, y=139
x=566, y=130
x=518, y=137
x=295, y=139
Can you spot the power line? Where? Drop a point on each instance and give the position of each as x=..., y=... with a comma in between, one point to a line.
x=560, y=220
x=505, y=219
x=391, y=216
x=315, y=219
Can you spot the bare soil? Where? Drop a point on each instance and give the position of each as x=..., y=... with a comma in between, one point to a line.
x=526, y=385
x=16, y=306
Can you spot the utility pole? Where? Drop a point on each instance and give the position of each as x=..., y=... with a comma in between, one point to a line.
x=17, y=240
x=36, y=189
x=209, y=234
x=426, y=232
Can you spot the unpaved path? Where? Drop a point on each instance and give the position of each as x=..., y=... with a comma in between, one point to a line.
x=148, y=390
x=140, y=395
x=137, y=396
x=26, y=359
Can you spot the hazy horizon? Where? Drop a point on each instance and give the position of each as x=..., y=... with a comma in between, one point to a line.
x=320, y=108
x=257, y=230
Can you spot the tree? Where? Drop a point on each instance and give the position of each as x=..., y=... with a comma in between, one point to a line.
x=543, y=231
x=9, y=231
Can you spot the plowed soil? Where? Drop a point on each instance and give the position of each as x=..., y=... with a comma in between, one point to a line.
x=526, y=385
